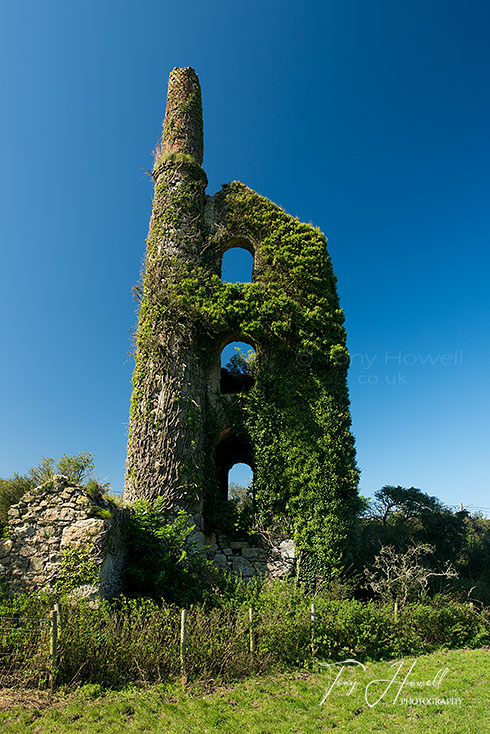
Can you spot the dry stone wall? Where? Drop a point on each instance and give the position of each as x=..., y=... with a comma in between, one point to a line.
x=49, y=522
x=273, y=560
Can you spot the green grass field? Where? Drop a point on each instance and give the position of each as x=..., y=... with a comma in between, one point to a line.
x=448, y=691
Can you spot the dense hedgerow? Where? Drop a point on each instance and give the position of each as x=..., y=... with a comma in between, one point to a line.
x=137, y=640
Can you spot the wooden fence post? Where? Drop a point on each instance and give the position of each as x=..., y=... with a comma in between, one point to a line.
x=395, y=611
x=57, y=609
x=251, y=631
x=312, y=631
x=183, y=642
x=53, y=643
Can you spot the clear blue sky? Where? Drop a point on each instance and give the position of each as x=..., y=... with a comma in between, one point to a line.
x=369, y=119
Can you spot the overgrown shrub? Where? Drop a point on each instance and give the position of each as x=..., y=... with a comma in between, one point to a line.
x=163, y=562
x=75, y=468
x=11, y=490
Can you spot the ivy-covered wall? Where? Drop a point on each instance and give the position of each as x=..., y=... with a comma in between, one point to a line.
x=293, y=424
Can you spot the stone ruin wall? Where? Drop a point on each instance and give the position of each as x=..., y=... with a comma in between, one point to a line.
x=274, y=559
x=52, y=518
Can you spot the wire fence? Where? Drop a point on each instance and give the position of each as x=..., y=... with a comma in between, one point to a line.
x=34, y=650
x=140, y=641
x=28, y=648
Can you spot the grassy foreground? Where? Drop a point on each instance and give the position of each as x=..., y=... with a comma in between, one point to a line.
x=447, y=691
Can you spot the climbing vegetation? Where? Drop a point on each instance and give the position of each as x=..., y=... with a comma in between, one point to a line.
x=296, y=415
x=78, y=567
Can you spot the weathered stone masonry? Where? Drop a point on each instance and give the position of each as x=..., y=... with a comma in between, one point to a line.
x=52, y=518
x=273, y=559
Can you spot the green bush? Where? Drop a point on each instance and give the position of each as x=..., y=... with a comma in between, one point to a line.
x=163, y=562
x=75, y=468
x=11, y=490
x=447, y=623
x=352, y=628
x=369, y=631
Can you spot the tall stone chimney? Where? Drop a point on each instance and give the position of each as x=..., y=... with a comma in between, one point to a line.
x=182, y=127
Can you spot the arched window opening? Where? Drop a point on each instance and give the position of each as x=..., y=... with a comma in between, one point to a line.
x=240, y=484
x=237, y=368
x=237, y=266
x=234, y=468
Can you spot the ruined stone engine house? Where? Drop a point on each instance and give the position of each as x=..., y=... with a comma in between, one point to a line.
x=288, y=418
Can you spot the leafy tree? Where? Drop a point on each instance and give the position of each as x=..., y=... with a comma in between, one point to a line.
x=402, y=517
x=473, y=561
x=238, y=492
x=405, y=503
x=241, y=363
